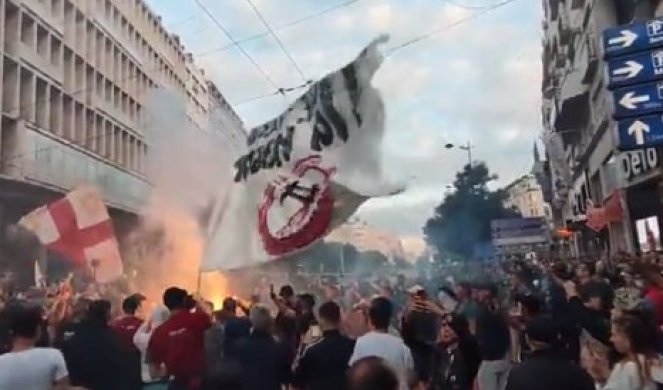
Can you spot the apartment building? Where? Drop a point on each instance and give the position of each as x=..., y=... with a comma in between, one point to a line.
x=75, y=75
x=585, y=167
x=525, y=195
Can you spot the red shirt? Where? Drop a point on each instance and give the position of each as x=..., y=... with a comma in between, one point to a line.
x=655, y=296
x=126, y=328
x=179, y=343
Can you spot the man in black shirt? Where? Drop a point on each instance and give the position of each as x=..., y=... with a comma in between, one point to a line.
x=494, y=339
x=323, y=365
x=93, y=352
x=547, y=368
x=285, y=324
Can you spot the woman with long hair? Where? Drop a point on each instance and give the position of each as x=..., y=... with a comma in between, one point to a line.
x=639, y=366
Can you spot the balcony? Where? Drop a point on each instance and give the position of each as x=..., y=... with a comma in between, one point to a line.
x=574, y=113
x=45, y=161
x=53, y=16
x=114, y=112
x=592, y=58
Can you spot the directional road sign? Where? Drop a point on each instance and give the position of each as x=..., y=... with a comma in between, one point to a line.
x=640, y=132
x=636, y=69
x=640, y=36
x=638, y=100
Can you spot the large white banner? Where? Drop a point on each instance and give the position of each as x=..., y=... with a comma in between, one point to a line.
x=305, y=171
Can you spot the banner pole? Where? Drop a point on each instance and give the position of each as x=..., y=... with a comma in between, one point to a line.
x=199, y=281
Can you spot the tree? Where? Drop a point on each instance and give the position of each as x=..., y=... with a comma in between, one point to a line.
x=461, y=223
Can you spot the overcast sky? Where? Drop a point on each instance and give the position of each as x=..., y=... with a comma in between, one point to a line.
x=477, y=80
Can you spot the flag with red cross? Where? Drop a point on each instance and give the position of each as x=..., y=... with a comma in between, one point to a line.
x=79, y=228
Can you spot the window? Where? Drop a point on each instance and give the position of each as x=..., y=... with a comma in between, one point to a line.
x=91, y=136
x=117, y=96
x=80, y=73
x=41, y=108
x=55, y=110
x=99, y=135
x=108, y=140
x=56, y=51
x=42, y=41
x=67, y=116
x=27, y=30
x=56, y=7
x=100, y=85
x=79, y=130
x=27, y=92
x=108, y=89
x=624, y=11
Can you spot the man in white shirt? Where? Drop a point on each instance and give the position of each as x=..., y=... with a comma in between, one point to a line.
x=27, y=367
x=378, y=342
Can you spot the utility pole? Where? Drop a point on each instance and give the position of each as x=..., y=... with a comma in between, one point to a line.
x=467, y=147
x=469, y=153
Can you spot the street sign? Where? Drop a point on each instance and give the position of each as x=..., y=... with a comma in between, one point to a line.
x=635, y=69
x=638, y=100
x=519, y=231
x=640, y=132
x=640, y=36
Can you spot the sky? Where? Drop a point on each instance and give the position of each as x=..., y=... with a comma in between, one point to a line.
x=476, y=80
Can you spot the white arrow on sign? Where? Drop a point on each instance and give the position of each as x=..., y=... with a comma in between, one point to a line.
x=638, y=130
x=630, y=101
x=630, y=69
x=626, y=38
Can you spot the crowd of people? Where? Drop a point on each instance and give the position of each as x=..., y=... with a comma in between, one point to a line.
x=525, y=325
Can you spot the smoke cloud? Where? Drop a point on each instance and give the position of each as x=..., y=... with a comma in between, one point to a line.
x=188, y=168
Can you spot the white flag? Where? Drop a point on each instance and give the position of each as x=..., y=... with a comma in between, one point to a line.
x=305, y=172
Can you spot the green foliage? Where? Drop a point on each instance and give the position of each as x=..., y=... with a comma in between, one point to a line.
x=461, y=223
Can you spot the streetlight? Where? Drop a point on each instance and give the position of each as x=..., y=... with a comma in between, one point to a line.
x=468, y=148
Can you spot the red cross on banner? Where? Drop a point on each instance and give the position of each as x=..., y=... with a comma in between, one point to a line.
x=79, y=228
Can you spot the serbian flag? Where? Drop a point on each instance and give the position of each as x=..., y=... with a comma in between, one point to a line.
x=78, y=228
x=304, y=172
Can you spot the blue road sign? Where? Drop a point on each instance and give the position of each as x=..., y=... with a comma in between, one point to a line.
x=640, y=36
x=638, y=100
x=635, y=69
x=640, y=132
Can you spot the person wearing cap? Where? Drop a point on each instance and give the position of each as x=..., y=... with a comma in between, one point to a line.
x=546, y=368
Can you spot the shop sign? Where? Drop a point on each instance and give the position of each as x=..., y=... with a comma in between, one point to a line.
x=638, y=162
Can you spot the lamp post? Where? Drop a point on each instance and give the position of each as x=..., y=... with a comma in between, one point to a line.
x=468, y=148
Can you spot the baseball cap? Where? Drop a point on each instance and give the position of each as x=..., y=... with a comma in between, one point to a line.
x=415, y=289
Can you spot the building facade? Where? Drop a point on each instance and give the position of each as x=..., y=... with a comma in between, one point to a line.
x=75, y=76
x=585, y=168
x=525, y=195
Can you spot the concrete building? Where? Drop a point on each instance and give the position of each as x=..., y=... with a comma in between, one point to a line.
x=584, y=165
x=525, y=195
x=367, y=239
x=74, y=79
